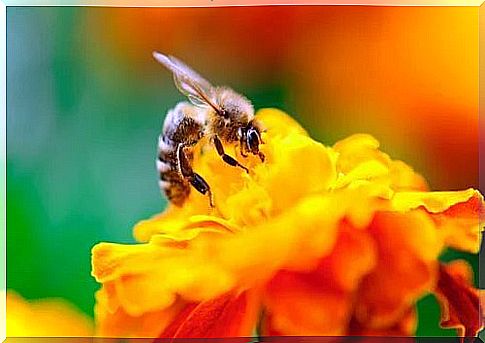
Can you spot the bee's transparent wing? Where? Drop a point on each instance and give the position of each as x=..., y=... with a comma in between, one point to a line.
x=197, y=89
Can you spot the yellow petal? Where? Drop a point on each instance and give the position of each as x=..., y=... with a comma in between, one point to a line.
x=434, y=202
x=298, y=167
x=363, y=172
x=45, y=318
x=116, y=322
x=278, y=123
x=212, y=263
x=404, y=178
x=357, y=149
x=162, y=270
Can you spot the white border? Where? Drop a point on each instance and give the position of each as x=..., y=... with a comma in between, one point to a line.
x=3, y=173
x=138, y=3
x=239, y=3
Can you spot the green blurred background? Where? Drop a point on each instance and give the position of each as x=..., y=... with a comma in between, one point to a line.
x=85, y=104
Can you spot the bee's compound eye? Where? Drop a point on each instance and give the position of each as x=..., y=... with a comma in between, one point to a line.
x=253, y=141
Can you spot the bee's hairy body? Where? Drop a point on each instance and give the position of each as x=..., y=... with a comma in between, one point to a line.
x=181, y=126
x=237, y=110
x=218, y=113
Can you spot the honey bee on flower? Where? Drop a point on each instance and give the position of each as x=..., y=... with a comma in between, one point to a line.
x=216, y=112
x=349, y=249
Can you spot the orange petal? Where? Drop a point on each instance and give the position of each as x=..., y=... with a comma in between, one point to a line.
x=460, y=224
x=408, y=248
x=457, y=214
x=320, y=302
x=459, y=300
x=230, y=315
x=303, y=304
x=404, y=326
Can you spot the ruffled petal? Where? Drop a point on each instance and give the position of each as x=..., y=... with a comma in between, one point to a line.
x=408, y=249
x=457, y=214
x=404, y=178
x=357, y=149
x=402, y=327
x=163, y=270
x=113, y=321
x=214, y=261
x=283, y=178
x=360, y=159
x=320, y=302
x=459, y=300
x=229, y=315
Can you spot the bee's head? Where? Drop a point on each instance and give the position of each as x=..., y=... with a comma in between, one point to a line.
x=250, y=138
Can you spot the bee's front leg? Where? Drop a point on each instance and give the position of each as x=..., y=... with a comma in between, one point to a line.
x=242, y=147
x=225, y=157
x=192, y=177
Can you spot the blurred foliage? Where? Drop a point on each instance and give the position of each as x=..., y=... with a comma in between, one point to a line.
x=80, y=154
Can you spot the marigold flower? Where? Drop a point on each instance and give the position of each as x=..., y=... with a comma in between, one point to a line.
x=317, y=240
x=45, y=318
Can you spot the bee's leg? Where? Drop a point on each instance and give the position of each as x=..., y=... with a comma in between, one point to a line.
x=225, y=157
x=193, y=178
x=241, y=147
x=201, y=185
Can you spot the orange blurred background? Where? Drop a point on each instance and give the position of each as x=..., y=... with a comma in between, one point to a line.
x=408, y=75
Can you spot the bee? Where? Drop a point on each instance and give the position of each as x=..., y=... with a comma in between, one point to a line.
x=218, y=113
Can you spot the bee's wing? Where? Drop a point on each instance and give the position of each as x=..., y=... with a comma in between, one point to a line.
x=197, y=89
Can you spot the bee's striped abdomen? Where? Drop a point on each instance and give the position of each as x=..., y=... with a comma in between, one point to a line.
x=181, y=127
x=176, y=188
